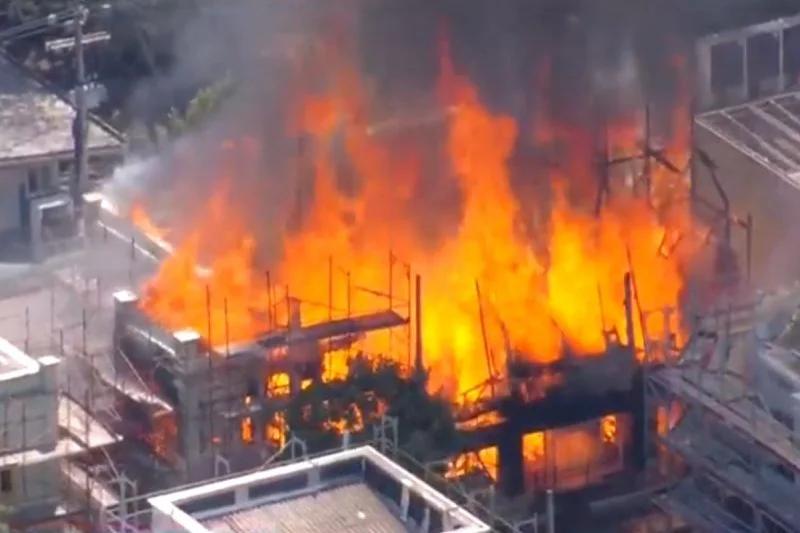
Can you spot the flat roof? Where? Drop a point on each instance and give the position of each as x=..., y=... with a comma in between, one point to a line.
x=357, y=490
x=355, y=508
x=767, y=131
x=15, y=363
x=36, y=122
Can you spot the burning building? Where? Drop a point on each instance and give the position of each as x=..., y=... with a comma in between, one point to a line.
x=205, y=400
x=555, y=255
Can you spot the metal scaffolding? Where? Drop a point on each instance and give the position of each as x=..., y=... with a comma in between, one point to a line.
x=60, y=312
x=731, y=464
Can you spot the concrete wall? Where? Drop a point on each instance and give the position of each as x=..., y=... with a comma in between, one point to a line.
x=10, y=180
x=226, y=390
x=29, y=410
x=164, y=523
x=35, y=484
x=773, y=203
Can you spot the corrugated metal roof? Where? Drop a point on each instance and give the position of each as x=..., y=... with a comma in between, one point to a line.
x=351, y=508
x=767, y=131
x=35, y=122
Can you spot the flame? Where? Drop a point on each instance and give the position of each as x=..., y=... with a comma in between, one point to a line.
x=559, y=290
x=533, y=447
x=573, y=456
x=142, y=220
x=484, y=460
x=335, y=365
x=247, y=431
x=278, y=384
x=354, y=424
x=225, y=302
x=163, y=437
x=275, y=430
x=608, y=428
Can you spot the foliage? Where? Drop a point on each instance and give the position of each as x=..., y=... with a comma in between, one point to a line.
x=5, y=513
x=426, y=425
x=201, y=108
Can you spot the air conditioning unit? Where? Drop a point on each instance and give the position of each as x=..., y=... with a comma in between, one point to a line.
x=53, y=223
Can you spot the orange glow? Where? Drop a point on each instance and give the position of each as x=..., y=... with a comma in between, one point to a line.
x=275, y=431
x=163, y=437
x=142, y=220
x=226, y=302
x=335, y=365
x=542, y=296
x=533, y=447
x=608, y=428
x=574, y=456
x=483, y=420
x=278, y=384
x=667, y=416
x=574, y=449
x=354, y=424
x=484, y=460
x=247, y=430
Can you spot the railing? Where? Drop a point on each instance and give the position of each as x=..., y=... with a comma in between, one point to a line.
x=458, y=495
x=139, y=521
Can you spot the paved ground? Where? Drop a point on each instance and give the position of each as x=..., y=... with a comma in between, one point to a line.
x=45, y=306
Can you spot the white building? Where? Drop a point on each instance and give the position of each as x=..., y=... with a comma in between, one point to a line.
x=355, y=490
x=44, y=437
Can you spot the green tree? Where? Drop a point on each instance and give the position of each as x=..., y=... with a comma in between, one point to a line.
x=426, y=425
x=205, y=105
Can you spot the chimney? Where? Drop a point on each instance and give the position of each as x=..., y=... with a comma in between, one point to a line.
x=187, y=346
x=125, y=303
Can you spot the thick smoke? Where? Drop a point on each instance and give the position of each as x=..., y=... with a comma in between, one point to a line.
x=578, y=61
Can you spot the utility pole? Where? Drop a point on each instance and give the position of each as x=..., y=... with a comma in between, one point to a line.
x=76, y=16
x=79, y=127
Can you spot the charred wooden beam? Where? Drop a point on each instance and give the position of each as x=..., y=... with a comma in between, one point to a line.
x=554, y=411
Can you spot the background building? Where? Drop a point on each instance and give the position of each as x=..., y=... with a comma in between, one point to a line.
x=36, y=159
x=748, y=136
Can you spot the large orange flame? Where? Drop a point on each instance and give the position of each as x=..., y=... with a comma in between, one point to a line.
x=536, y=302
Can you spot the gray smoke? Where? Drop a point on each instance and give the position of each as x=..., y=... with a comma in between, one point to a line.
x=604, y=58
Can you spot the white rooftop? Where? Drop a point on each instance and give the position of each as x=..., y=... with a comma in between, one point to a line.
x=15, y=363
x=767, y=131
x=357, y=490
